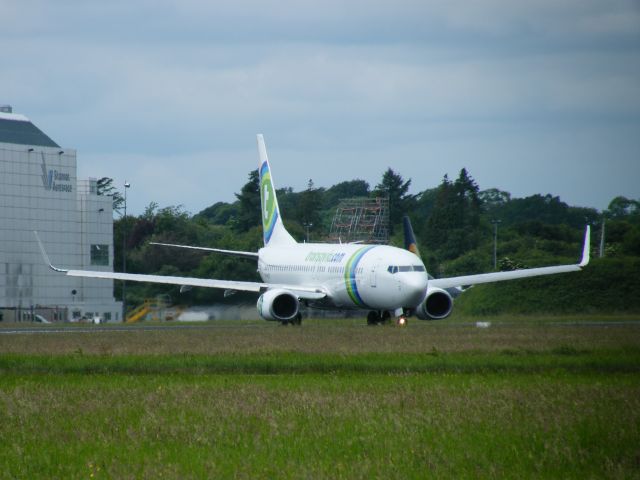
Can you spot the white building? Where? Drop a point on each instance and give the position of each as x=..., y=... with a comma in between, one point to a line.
x=39, y=191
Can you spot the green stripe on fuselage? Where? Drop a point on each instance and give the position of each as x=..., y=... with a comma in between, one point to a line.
x=350, y=276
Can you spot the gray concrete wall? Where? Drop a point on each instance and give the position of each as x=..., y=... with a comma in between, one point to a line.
x=39, y=190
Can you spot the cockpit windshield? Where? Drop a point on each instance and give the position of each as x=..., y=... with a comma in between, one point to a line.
x=405, y=268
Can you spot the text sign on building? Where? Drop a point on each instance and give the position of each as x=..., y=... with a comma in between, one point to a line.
x=55, y=180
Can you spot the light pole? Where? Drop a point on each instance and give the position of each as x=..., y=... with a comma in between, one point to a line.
x=308, y=225
x=495, y=243
x=602, y=237
x=127, y=185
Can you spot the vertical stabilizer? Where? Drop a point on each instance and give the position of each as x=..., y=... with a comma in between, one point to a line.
x=273, y=230
x=409, y=237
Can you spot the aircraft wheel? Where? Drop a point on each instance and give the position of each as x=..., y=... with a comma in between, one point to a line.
x=297, y=320
x=373, y=318
x=386, y=317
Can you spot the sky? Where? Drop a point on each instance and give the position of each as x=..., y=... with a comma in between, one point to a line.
x=530, y=97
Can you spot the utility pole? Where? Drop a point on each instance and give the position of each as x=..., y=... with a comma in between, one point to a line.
x=127, y=185
x=602, y=238
x=307, y=226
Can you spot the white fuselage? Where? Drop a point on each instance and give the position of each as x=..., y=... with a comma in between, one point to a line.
x=354, y=276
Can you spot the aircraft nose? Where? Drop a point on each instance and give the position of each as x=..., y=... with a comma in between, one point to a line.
x=414, y=287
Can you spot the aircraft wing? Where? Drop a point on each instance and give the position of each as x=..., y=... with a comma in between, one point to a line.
x=307, y=293
x=515, y=274
x=236, y=253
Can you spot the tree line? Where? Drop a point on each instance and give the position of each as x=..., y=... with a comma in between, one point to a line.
x=455, y=224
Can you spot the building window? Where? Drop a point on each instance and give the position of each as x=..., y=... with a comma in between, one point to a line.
x=107, y=316
x=99, y=254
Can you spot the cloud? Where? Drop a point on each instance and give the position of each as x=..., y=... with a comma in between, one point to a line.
x=351, y=87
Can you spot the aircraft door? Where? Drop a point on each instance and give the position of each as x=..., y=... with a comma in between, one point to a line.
x=373, y=280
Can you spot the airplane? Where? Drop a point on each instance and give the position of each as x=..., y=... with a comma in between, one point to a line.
x=384, y=280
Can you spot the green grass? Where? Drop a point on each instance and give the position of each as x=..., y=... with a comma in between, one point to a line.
x=521, y=400
x=567, y=359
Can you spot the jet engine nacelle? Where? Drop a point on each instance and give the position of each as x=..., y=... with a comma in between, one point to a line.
x=436, y=305
x=278, y=305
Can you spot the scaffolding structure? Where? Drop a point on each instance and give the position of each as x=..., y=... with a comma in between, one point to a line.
x=361, y=219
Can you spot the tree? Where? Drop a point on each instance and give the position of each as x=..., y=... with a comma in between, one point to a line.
x=394, y=186
x=342, y=190
x=309, y=205
x=546, y=209
x=492, y=199
x=442, y=218
x=454, y=224
x=220, y=213
x=249, y=207
x=104, y=186
x=623, y=207
x=468, y=201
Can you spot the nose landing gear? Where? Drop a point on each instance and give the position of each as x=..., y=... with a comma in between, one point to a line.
x=375, y=317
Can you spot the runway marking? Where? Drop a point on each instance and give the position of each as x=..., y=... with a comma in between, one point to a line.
x=150, y=328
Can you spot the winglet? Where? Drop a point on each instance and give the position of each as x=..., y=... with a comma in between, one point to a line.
x=586, y=248
x=45, y=256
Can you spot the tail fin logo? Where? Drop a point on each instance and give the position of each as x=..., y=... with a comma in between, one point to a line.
x=268, y=197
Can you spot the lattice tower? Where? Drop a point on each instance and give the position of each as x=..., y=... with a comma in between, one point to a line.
x=361, y=219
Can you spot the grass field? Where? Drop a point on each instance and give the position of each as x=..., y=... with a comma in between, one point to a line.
x=525, y=398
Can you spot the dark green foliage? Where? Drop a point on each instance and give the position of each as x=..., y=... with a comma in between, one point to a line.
x=474, y=261
x=545, y=209
x=249, y=209
x=104, y=186
x=623, y=207
x=606, y=285
x=309, y=206
x=350, y=189
x=452, y=223
x=631, y=242
x=393, y=186
x=494, y=198
x=221, y=213
x=505, y=264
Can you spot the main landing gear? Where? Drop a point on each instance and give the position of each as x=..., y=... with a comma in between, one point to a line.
x=297, y=320
x=376, y=317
